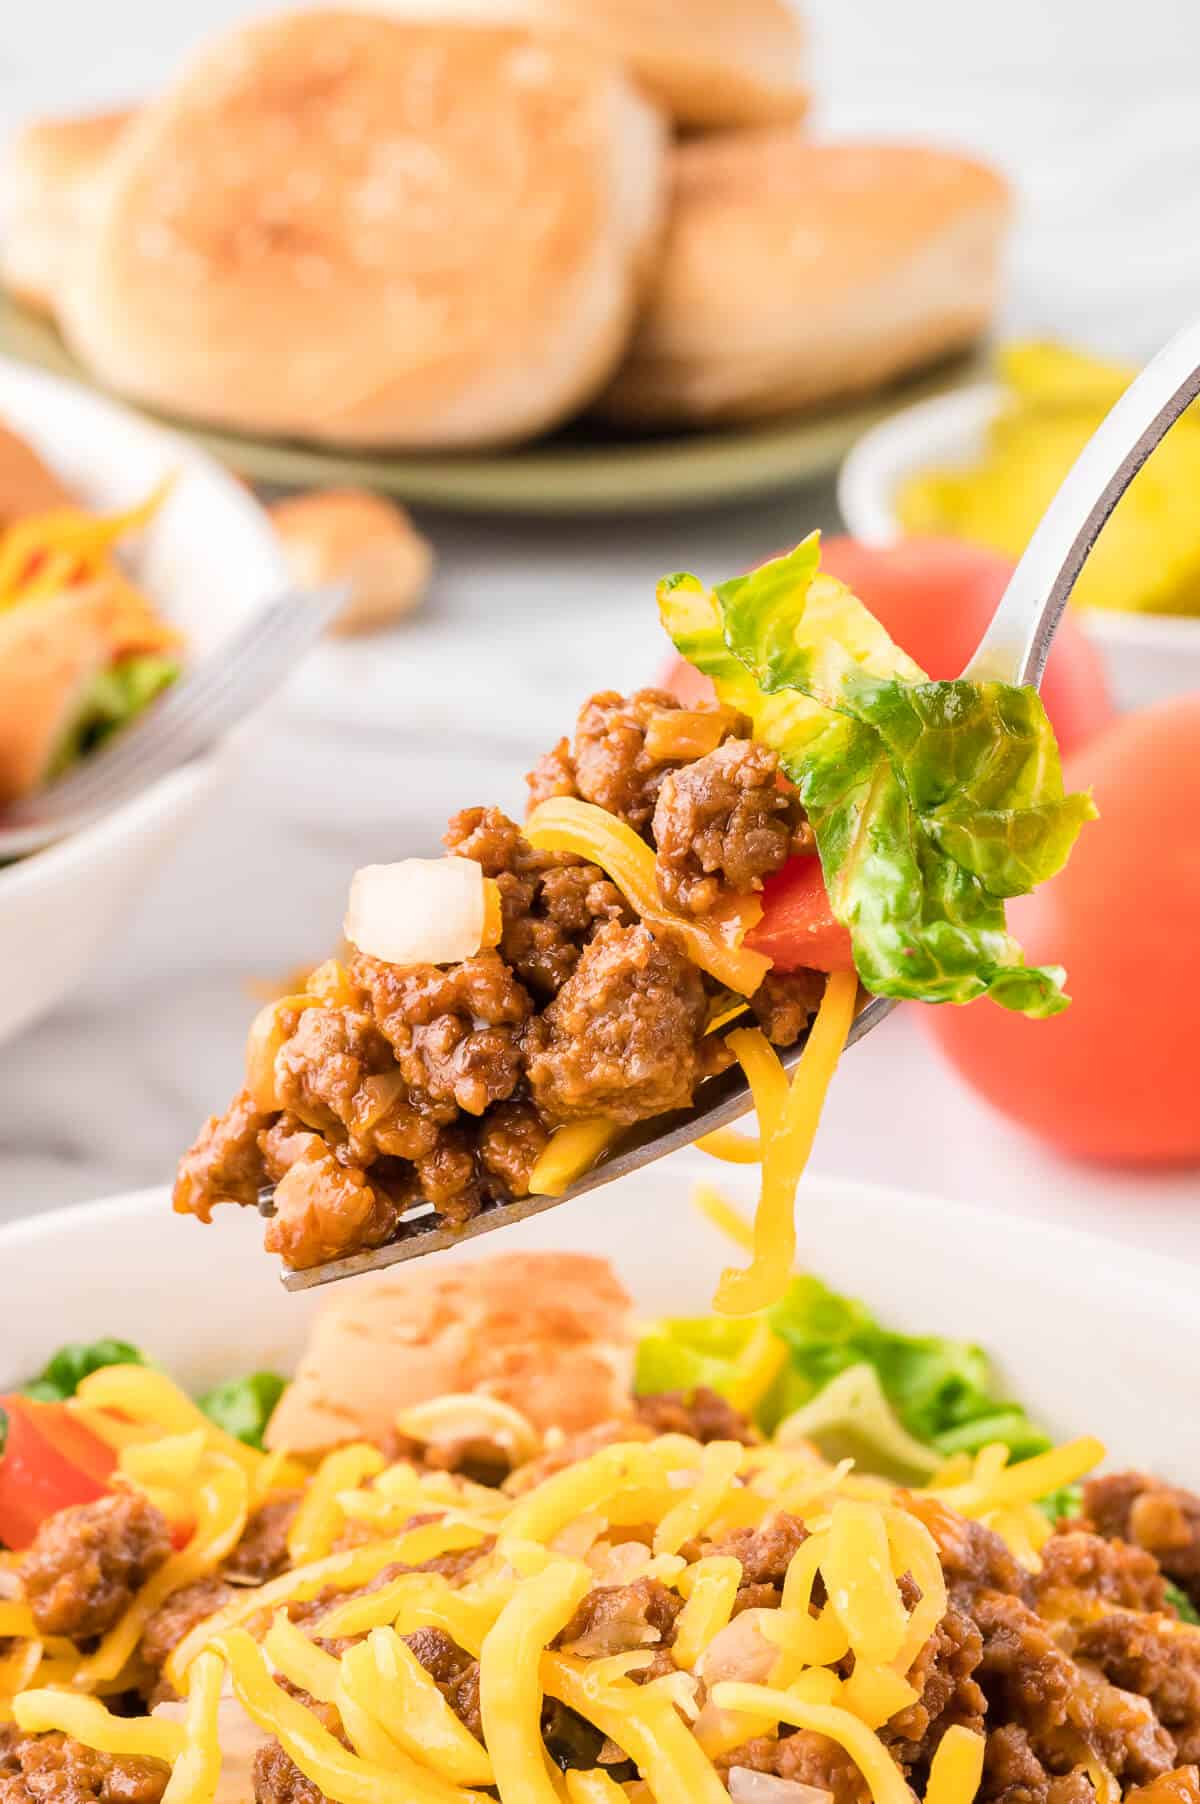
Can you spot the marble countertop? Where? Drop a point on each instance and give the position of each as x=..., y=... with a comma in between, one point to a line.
x=378, y=741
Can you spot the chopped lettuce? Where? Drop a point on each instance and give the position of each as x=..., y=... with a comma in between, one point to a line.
x=112, y=699
x=66, y=1370
x=1184, y=1608
x=1062, y=1505
x=930, y=802
x=244, y=1406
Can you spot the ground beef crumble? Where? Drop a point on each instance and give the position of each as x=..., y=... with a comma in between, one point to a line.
x=1162, y=1519
x=703, y=1415
x=722, y=824
x=87, y=1563
x=54, y=1769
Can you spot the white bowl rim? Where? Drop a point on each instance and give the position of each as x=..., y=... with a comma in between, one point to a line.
x=1152, y=1271
x=902, y=444
x=60, y=858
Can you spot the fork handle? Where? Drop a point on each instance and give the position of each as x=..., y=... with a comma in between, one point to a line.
x=1016, y=644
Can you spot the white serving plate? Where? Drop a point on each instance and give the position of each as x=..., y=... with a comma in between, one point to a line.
x=209, y=559
x=1092, y=1336
x=1148, y=657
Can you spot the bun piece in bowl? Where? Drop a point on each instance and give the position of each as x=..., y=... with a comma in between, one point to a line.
x=49, y=192
x=798, y=272
x=362, y=230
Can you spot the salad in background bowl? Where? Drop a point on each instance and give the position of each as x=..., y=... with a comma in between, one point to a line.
x=206, y=559
x=982, y=464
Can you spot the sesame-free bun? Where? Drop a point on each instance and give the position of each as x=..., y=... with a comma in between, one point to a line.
x=49, y=191
x=362, y=230
x=707, y=63
x=797, y=272
x=551, y=1334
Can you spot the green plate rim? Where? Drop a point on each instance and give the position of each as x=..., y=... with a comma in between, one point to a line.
x=560, y=476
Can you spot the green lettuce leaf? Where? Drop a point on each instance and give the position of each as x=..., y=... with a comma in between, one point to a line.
x=930, y=802
x=852, y=1419
x=113, y=698
x=66, y=1370
x=244, y=1406
x=1184, y=1608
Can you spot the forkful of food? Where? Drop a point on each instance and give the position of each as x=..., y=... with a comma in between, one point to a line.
x=705, y=905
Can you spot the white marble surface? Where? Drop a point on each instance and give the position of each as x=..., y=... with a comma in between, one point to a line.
x=1093, y=109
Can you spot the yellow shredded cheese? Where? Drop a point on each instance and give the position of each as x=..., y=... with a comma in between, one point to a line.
x=320, y=1518
x=731, y=1147
x=387, y=1679
x=197, y=1769
x=1028, y=1480
x=719, y=1465
x=510, y=1688
x=85, y=1718
x=884, y=1778
x=300, y=1659
x=593, y=1786
x=18, y=1669
x=712, y=1586
x=713, y=942
x=914, y=1550
x=788, y=1134
x=647, y=1726
x=723, y=1216
x=570, y=1151
x=16, y=1619
x=857, y=1570
x=956, y=1768
x=875, y=1693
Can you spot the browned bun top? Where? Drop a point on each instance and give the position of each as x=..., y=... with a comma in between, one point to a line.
x=706, y=62
x=549, y=1333
x=360, y=228
x=795, y=269
x=47, y=189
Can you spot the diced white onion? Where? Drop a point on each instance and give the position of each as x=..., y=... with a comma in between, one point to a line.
x=739, y=1651
x=421, y=911
x=748, y=1787
x=468, y=1416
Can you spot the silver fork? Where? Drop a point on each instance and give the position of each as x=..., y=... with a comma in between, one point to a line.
x=186, y=720
x=1013, y=649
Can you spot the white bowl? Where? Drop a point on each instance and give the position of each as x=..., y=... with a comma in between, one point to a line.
x=209, y=558
x=206, y=1302
x=1148, y=657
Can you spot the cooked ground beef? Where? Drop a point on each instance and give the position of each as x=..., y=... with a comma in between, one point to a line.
x=785, y=1002
x=805, y=1757
x=765, y=1554
x=608, y=763
x=1163, y=1519
x=972, y=1556
x=325, y=1210
x=87, y=1563
x=53, y=1769
x=703, y=1415
x=225, y=1164
x=722, y=824
x=179, y=1616
x=1075, y=1561
x=944, y=1675
x=278, y=1780
x=1013, y=1774
x=1145, y=1655
x=262, y=1552
x=622, y=1619
x=455, y=1673
x=1181, y=1786
x=620, y=1039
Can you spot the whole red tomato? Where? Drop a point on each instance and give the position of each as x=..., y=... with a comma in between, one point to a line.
x=935, y=596
x=1116, y=1078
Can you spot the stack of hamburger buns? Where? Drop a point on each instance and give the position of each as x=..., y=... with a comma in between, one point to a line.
x=444, y=224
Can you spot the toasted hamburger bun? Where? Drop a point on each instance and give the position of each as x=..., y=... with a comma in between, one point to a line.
x=350, y=228
x=705, y=62
x=549, y=1333
x=352, y=537
x=49, y=186
x=797, y=272
x=49, y=652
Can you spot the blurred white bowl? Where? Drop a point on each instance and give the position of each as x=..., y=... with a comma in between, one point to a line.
x=208, y=559
x=1147, y=656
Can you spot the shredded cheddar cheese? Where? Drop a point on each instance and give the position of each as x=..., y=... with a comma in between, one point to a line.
x=320, y=1518
x=714, y=942
x=510, y=1685
x=570, y=1151
x=957, y=1767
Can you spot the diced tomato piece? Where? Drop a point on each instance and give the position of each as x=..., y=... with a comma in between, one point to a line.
x=798, y=930
x=37, y=1479
x=65, y=1432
